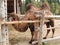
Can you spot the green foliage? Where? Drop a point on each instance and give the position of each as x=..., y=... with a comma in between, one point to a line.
x=23, y=8
x=36, y=3
x=28, y=1
x=24, y=5
x=54, y=5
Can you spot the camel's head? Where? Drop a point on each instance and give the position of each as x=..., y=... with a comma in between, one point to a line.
x=45, y=6
x=13, y=17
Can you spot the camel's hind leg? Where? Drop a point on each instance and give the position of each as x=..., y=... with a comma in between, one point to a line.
x=52, y=25
x=47, y=25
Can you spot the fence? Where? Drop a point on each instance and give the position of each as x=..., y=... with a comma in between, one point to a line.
x=42, y=21
x=3, y=29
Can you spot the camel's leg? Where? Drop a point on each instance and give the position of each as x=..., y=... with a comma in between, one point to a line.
x=52, y=25
x=47, y=25
x=35, y=34
x=36, y=25
x=31, y=26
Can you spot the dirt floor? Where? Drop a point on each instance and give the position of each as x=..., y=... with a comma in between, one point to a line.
x=19, y=38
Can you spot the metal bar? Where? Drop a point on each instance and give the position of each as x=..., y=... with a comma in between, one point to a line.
x=15, y=6
x=15, y=22
x=0, y=35
x=51, y=39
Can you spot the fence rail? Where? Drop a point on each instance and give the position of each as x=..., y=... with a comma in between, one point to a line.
x=51, y=39
x=33, y=21
x=15, y=22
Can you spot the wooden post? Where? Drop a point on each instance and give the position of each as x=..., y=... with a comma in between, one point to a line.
x=40, y=29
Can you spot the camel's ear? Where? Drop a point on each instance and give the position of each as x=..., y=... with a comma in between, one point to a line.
x=45, y=5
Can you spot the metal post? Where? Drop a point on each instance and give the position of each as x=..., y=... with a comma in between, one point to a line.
x=0, y=35
x=15, y=6
x=1, y=17
x=18, y=8
x=4, y=27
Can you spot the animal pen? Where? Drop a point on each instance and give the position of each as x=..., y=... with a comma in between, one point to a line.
x=4, y=39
